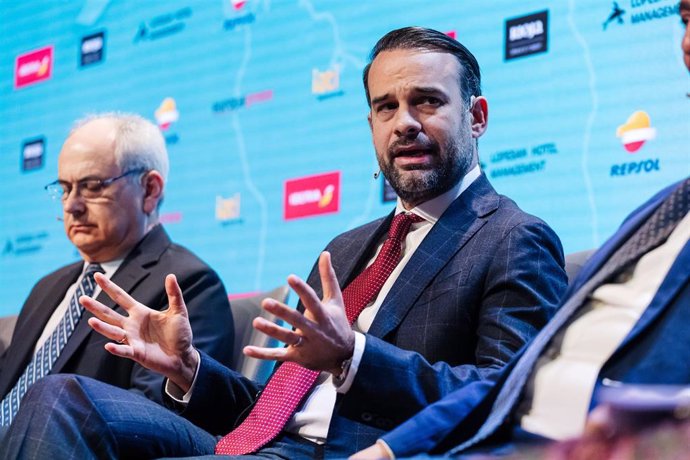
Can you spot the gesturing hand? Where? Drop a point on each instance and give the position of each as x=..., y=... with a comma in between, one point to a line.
x=322, y=338
x=158, y=340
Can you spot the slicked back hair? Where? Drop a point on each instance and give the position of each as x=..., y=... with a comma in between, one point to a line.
x=423, y=39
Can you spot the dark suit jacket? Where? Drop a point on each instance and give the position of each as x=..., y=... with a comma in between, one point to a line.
x=656, y=351
x=484, y=280
x=141, y=274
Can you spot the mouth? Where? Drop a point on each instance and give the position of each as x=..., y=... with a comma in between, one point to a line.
x=412, y=156
x=76, y=228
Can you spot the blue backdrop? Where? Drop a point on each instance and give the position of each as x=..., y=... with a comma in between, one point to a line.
x=264, y=114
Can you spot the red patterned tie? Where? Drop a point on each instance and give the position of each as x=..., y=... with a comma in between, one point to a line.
x=291, y=382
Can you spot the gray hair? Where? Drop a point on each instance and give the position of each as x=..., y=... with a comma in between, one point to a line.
x=139, y=143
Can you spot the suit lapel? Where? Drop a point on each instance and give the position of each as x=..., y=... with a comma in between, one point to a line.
x=458, y=224
x=628, y=227
x=131, y=272
x=25, y=337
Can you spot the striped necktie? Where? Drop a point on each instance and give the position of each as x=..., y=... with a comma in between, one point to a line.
x=44, y=359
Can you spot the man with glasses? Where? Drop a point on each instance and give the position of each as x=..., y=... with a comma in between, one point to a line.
x=111, y=175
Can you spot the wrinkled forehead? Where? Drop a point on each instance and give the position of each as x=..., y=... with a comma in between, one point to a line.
x=411, y=68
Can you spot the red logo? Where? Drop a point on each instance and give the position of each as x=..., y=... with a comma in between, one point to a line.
x=312, y=195
x=33, y=67
x=636, y=131
x=238, y=4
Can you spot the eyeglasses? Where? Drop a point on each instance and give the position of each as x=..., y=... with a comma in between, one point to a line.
x=87, y=188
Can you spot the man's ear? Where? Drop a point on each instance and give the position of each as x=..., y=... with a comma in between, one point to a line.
x=371, y=127
x=153, y=191
x=480, y=115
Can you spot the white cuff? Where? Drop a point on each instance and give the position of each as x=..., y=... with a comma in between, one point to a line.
x=360, y=342
x=387, y=448
x=175, y=392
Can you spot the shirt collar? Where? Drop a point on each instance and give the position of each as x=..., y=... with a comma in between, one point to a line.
x=432, y=209
x=109, y=267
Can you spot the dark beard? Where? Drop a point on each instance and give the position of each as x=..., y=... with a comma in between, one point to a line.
x=446, y=172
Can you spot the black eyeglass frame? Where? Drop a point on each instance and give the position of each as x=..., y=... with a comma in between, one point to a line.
x=60, y=190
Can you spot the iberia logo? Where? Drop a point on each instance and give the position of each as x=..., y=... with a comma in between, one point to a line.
x=238, y=4
x=312, y=195
x=33, y=67
x=636, y=131
x=167, y=113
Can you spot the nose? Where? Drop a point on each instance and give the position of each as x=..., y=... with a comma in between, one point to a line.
x=406, y=123
x=73, y=202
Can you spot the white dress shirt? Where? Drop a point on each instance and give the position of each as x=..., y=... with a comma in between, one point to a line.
x=557, y=399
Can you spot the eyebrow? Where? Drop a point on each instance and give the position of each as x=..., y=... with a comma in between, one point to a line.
x=418, y=89
x=81, y=180
x=376, y=100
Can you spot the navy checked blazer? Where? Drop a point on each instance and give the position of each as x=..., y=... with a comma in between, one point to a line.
x=481, y=284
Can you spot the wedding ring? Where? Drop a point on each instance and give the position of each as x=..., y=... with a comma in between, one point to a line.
x=123, y=339
x=299, y=341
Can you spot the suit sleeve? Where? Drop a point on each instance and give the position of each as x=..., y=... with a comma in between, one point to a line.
x=211, y=321
x=520, y=289
x=220, y=399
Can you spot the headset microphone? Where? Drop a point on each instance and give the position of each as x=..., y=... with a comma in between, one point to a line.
x=377, y=174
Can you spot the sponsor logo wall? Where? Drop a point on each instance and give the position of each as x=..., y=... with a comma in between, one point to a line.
x=263, y=112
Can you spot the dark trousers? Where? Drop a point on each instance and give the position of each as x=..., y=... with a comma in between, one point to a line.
x=73, y=417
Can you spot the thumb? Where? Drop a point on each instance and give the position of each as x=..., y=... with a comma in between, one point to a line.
x=176, y=303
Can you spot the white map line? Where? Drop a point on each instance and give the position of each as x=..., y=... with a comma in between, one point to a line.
x=340, y=56
x=590, y=123
x=339, y=53
x=244, y=161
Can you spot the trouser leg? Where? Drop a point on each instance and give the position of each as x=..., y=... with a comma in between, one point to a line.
x=73, y=417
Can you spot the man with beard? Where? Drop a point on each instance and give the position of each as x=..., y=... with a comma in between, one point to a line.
x=612, y=362
x=438, y=294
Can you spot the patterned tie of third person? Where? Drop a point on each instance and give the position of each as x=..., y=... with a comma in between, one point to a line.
x=291, y=382
x=652, y=233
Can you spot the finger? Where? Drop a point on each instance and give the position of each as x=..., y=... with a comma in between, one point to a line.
x=287, y=314
x=111, y=332
x=175, y=300
x=273, y=330
x=308, y=297
x=123, y=351
x=100, y=311
x=115, y=292
x=329, y=282
x=273, y=354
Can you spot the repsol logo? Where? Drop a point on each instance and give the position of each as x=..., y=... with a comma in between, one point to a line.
x=635, y=167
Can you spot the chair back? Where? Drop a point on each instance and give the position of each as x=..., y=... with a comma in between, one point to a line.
x=243, y=313
x=574, y=263
x=7, y=324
